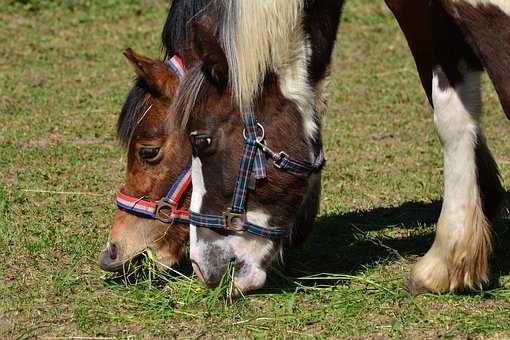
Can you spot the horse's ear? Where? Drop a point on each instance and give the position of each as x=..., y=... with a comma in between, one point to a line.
x=155, y=73
x=207, y=49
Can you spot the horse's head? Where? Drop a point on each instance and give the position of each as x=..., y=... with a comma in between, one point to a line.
x=157, y=154
x=274, y=203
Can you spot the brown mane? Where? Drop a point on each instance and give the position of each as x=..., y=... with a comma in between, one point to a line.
x=132, y=110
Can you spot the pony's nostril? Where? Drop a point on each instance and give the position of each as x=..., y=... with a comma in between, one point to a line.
x=238, y=264
x=113, y=251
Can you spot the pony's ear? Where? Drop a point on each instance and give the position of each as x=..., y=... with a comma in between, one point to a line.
x=207, y=49
x=156, y=73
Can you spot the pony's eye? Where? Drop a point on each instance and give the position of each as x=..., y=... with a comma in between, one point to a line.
x=199, y=142
x=149, y=153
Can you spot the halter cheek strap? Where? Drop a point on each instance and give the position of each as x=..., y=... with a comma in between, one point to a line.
x=235, y=220
x=176, y=65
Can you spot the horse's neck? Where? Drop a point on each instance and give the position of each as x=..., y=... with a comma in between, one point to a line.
x=305, y=68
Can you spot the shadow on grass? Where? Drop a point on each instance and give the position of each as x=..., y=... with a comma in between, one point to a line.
x=348, y=243
x=351, y=242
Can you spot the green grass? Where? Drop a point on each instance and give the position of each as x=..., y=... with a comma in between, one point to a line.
x=62, y=82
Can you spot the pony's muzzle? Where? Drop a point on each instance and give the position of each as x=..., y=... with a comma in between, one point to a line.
x=108, y=258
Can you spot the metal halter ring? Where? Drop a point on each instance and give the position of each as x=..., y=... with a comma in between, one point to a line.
x=259, y=138
x=161, y=206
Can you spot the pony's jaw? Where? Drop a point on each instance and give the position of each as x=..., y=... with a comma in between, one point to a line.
x=211, y=253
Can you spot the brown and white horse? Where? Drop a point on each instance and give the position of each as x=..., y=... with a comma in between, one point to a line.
x=271, y=59
x=286, y=100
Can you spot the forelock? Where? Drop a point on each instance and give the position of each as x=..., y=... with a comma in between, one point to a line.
x=189, y=94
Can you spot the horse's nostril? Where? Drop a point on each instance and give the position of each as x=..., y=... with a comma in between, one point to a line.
x=238, y=264
x=113, y=251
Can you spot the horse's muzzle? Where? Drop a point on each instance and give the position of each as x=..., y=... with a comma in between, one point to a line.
x=108, y=260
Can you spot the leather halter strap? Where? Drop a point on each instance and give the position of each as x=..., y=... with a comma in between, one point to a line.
x=228, y=223
x=253, y=163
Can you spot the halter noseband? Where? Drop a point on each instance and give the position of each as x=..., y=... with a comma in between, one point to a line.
x=165, y=209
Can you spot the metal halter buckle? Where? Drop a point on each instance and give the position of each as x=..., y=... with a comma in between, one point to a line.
x=278, y=158
x=161, y=207
x=234, y=221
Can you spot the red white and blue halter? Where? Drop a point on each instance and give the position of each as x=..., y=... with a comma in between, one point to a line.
x=166, y=208
x=176, y=65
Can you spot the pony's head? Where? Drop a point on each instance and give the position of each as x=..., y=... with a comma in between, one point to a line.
x=277, y=205
x=157, y=154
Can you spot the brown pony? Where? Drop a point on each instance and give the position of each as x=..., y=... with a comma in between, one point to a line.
x=156, y=150
x=157, y=153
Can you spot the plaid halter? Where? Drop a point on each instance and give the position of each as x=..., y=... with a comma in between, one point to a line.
x=165, y=209
x=253, y=164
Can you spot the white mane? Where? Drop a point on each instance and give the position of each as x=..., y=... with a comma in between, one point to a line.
x=258, y=36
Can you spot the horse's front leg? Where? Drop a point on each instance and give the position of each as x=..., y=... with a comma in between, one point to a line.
x=459, y=256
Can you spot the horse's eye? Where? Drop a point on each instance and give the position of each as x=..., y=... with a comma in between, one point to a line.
x=199, y=142
x=149, y=153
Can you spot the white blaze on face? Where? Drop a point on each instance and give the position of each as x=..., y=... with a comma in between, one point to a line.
x=197, y=196
x=254, y=252
x=212, y=251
